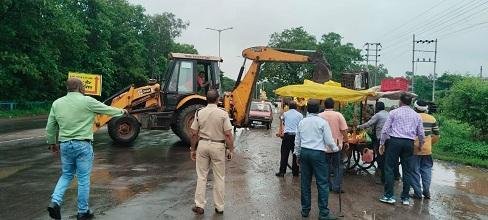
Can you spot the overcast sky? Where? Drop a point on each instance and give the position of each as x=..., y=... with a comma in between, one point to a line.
x=460, y=26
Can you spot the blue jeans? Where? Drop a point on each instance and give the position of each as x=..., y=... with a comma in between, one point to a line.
x=336, y=167
x=314, y=162
x=398, y=148
x=421, y=166
x=76, y=156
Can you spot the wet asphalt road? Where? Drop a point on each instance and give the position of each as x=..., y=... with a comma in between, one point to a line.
x=154, y=179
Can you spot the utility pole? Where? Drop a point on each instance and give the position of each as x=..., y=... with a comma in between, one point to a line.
x=413, y=62
x=377, y=48
x=424, y=60
x=434, y=78
x=220, y=31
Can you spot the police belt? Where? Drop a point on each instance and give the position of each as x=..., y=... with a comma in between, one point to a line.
x=217, y=141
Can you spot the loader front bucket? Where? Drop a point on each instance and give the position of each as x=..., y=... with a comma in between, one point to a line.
x=321, y=71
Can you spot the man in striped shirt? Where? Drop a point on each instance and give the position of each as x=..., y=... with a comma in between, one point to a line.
x=421, y=162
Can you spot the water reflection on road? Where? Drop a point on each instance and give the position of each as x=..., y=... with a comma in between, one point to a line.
x=155, y=178
x=461, y=191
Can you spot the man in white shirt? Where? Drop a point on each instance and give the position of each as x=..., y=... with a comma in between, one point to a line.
x=290, y=119
x=312, y=140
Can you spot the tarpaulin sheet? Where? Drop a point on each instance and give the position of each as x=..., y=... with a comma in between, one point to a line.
x=330, y=89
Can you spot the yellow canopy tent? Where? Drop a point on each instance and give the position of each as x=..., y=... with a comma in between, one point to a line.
x=329, y=89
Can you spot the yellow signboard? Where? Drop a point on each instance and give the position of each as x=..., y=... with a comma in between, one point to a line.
x=92, y=82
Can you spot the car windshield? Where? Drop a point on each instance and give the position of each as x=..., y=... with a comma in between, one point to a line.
x=258, y=106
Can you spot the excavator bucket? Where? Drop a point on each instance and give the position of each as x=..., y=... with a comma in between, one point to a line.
x=321, y=71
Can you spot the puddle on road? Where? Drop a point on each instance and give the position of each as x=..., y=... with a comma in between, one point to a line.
x=119, y=173
x=464, y=178
x=126, y=171
x=459, y=192
x=8, y=171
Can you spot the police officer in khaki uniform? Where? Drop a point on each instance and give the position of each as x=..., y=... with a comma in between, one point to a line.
x=212, y=133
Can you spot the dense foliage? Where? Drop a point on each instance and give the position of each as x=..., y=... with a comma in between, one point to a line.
x=43, y=40
x=227, y=83
x=467, y=101
x=458, y=143
x=423, y=85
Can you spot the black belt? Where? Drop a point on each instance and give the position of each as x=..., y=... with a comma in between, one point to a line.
x=87, y=140
x=217, y=141
x=406, y=139
x=290, y=133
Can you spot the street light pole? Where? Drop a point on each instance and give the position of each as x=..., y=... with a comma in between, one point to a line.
x=220, y=31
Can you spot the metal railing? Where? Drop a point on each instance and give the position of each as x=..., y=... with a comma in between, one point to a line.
x=12, y=105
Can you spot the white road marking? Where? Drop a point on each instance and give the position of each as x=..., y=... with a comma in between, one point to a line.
x=20, y=139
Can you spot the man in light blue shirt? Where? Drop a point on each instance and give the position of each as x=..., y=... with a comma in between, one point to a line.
x=290, y=119
x=313, y=138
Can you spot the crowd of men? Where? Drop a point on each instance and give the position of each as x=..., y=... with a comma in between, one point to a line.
x=319, y=140
x=316, y=142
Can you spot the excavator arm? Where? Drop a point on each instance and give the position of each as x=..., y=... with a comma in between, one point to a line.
x=238, y=102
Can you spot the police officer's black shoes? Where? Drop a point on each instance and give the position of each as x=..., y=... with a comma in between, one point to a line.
x=219, y=212
x=54, y=210
x=197, y=210
x=280, y=174
x=85, y=216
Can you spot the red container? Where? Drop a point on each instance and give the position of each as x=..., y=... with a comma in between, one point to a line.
x=394, y=84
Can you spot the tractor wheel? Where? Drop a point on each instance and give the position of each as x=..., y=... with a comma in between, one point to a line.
x=268, y=126
x=174, y=129
x=124, y=129
x=184, y=119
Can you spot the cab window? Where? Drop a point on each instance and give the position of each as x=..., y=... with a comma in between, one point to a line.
x=185, y=79
x=174, y=78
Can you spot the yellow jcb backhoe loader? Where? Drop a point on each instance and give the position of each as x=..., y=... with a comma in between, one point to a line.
x=172, y=104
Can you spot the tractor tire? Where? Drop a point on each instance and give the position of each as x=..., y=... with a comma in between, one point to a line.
x=175, y=130
x=124, y=129
x=184, y=119
x=268, y=126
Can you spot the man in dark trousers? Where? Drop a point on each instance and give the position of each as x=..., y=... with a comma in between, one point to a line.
x=338, y=127
x=377, y=122
x=401, y=129
x=70, y=123
x=290, y=119
x=313, y=139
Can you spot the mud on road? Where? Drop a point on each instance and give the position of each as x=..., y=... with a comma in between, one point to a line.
x=155, y=179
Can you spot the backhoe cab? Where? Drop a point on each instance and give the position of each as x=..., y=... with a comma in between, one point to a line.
x=169, y=105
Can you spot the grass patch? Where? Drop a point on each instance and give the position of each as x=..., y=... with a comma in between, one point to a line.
x=459, y=144
x=24, y=112
x=447, y=156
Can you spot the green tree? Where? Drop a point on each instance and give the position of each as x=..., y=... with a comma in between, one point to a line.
x=183, y=48
x=377, y=72
x=43, y=40
x=341, y=57
x=468, y=101
x=445, y=82
x=161, y=29
x=274, y=75
x=423, y=87
x=227, y=83
x=39, y=39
